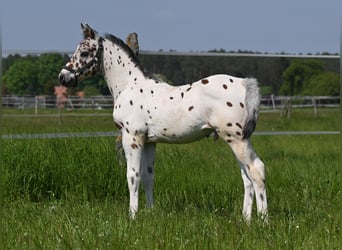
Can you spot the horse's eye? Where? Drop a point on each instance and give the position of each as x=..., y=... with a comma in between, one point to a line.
x=84, y=54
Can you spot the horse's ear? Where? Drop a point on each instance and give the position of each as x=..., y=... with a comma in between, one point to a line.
x=88, y=31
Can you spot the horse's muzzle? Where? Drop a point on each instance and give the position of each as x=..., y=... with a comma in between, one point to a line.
x=67, y=80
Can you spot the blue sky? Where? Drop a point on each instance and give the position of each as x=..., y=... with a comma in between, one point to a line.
x=292, y=26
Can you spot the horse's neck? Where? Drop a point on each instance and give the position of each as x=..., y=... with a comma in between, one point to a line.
x=120, y=71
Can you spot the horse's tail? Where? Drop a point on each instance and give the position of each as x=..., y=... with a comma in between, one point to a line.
x=252, y=105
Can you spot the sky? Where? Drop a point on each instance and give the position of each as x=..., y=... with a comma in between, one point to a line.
x=272, y=26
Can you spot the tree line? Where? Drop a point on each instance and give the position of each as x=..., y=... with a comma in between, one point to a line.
x=37, y=75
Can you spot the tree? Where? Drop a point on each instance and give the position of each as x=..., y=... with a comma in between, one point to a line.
x=9, y=61
x=49, y=66
x=32, y=75
x=90, y=91
x=97, y=82
x=325, y=84
x=298, y=75
x=21, y=78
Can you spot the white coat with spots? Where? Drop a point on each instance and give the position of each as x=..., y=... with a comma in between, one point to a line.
x=149, y=111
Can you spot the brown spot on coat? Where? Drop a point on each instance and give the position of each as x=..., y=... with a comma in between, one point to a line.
x=229, y=104
x=134, y=146
x=242, y=105
x=191, y=108
x=262, y=197
x=239, y=125
x=224, y=86
x=205, y=81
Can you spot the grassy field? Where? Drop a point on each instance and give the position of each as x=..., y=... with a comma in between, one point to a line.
x=72, y=193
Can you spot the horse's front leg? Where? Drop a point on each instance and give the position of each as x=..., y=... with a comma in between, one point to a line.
x=133, y=146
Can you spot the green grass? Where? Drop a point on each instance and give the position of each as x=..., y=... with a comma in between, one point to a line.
x=24, y=121
x=301, y=120
x=71, y=193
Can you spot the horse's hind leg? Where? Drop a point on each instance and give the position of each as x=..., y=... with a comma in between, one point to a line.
x=249, y=194
x=147, y=171
x=253, y=175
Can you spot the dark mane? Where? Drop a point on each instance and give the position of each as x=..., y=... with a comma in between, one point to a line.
x=117, y=41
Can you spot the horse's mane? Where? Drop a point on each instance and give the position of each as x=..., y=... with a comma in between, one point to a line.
x=117, y=41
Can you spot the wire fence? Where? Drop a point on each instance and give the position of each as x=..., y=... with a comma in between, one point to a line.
x=53, y=102
x=106, y=102
x=52, y=106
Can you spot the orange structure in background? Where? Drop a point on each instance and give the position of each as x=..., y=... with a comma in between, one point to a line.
x=61, y=94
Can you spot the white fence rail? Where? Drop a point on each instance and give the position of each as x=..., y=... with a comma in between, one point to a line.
x=106, y=102
x=274, y=102
x=71, y=102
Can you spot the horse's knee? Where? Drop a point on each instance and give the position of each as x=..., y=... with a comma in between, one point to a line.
x=257, y=172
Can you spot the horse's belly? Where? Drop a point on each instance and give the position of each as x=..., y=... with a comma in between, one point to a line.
x=178, y=137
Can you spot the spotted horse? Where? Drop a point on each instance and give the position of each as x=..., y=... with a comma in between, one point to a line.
x=149, y=111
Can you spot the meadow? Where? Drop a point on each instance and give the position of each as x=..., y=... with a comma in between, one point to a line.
x=71, y=193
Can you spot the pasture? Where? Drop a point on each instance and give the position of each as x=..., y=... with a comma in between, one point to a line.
x=67, y=193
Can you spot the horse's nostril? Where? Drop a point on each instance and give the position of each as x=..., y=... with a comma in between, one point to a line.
x=61, y=78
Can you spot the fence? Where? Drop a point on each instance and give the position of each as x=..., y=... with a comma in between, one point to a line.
x=285, y=103
x=274, y=102
x=106, y=102
x=45, y=102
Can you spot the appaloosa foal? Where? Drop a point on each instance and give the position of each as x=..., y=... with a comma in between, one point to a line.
x=148, y=111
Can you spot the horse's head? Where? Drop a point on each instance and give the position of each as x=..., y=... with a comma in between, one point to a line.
x=85, y=61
